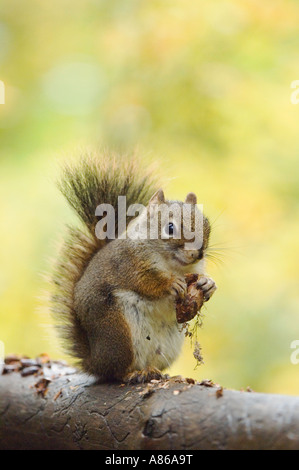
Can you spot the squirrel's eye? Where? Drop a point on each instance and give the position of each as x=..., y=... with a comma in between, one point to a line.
x=170, y=228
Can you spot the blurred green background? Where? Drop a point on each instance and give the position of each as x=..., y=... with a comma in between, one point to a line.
x=204, y=89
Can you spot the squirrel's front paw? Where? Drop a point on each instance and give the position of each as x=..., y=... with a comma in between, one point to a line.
x=207, y=286
x=144, y=375
x=179, y=287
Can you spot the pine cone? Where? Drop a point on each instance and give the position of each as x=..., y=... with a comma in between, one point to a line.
x=189, y=306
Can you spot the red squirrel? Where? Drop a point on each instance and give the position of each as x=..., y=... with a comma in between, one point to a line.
x=114, y=299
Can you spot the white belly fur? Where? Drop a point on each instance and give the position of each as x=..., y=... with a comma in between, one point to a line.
x=156, y=335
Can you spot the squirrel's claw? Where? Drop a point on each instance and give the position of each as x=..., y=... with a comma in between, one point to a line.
x=144, y=375
x=179, y=287
x=208, y=287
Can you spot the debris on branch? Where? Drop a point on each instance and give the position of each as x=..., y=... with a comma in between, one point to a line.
x=46, y=404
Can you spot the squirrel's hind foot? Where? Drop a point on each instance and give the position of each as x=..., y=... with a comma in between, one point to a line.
x=144, y=375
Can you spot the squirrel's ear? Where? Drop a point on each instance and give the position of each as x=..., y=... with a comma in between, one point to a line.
x=158, y=197
x=191, y=198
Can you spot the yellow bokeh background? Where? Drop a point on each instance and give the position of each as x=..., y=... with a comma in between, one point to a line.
x=204, y=89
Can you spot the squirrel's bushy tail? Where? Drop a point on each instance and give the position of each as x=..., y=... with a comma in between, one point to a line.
x=93, y=180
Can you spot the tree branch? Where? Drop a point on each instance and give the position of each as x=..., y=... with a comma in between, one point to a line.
x=77, y=413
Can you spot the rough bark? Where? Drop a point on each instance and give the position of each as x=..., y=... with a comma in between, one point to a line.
x=77, y=413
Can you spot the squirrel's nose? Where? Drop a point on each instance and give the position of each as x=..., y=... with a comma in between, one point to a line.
x=198, y=254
